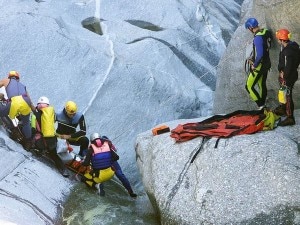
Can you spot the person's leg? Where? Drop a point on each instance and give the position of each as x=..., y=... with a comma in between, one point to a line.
x=26, y=131
x=289, y=120
x=101, y=187
x=83, y=142
x=263, y=87
x=23, y=106
x=289, y=103
x=120, y=175
x=40, y=146
x=4, y=109
x=252, y=80
x=102, y=176
x=51, y=143
x=88, y=179
x=26, y=127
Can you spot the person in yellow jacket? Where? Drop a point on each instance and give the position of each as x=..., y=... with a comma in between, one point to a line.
x=44, y=132
x=18, y=104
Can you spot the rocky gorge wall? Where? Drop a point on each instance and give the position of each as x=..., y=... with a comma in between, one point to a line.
x=247, y=179
x=230, y=94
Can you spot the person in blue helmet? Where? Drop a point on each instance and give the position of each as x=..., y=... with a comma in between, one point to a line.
x=260, y=63
x=118, y=172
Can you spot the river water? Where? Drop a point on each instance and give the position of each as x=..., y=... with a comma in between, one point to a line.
x=85, y=207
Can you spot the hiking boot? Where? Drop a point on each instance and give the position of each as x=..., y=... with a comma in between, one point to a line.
x=132, y=194
x=280, y=111
x=100, y=191
x=16, y=134
x=37, y=152
x=27, y=144
x=65, y=173
x=289, y=121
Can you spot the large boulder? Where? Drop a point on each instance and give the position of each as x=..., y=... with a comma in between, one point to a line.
x=247, y=179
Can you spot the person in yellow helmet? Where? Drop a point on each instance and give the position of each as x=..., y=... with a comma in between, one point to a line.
x=68, y=120
x=18, y=104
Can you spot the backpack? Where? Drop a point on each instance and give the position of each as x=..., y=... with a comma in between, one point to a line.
x=298, y=57
x=269, y=38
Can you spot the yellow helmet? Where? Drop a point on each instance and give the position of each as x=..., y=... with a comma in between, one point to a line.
x=71, y=107
x=13, y=73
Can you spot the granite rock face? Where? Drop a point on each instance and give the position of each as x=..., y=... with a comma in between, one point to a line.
x=247, y=179
x=32, y=191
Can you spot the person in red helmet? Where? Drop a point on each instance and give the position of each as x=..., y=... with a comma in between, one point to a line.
x=288, y=74
x=18, y=104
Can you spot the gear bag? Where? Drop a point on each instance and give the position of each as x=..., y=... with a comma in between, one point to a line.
x=221, y=126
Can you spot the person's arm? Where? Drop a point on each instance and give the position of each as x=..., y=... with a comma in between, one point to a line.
x=259, y=50
x=82, y=127
x=32, y=106
x=88, y=157
x=33, y=124
x=289, y=62
x=4, y=82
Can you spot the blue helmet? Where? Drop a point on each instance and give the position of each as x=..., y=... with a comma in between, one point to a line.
x=251, y=23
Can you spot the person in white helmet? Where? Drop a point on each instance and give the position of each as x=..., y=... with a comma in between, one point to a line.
x=100, y=157
x=44, y=132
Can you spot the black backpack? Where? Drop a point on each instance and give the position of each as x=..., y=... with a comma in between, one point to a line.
x=298, y=57
x=269, y=37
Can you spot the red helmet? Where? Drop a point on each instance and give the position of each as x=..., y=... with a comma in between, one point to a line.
x=283, y=34
x=13, y=73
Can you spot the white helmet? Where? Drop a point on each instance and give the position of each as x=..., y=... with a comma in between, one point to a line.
x=43, y=100
x=94, y=136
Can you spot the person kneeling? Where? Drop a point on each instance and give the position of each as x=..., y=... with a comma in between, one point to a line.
x=99, y=156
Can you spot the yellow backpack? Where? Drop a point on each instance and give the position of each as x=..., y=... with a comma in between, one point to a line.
x=270, y=120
